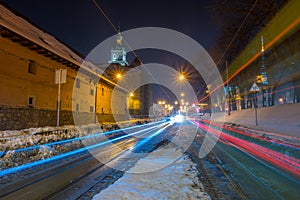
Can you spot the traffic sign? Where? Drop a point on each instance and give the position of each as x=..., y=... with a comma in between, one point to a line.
x=60, y=76
x=254, y=88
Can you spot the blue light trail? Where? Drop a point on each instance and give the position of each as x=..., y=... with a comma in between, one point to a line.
x=39, y=162
x=80, y=138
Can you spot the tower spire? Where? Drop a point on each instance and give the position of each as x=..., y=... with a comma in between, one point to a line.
x=118, y=54
x=263, y=67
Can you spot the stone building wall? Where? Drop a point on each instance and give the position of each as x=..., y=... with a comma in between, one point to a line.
x=17, y=118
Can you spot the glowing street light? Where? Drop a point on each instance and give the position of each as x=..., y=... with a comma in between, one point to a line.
x=176, y=102
x=182, y=94
x=181, y=77
x=131, y=94
x=119, y=76
x=281, y=100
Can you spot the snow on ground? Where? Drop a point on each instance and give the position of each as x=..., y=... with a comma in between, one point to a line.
x=178, y=180
x=283, y=119
x=11, y=140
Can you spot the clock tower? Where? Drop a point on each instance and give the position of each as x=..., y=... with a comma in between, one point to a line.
x=118, y=54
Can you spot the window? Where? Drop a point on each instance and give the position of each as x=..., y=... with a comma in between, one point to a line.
x=31, y=102
x=92, y=92
x=77, y=107
x=102, y=111
x=78, y=83
x=91, y=108
x=102, y=91
x=31, y=67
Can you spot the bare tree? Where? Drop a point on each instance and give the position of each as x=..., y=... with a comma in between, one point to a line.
x=230, y=14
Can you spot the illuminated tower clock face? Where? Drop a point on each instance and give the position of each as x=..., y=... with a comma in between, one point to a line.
x=118, y=54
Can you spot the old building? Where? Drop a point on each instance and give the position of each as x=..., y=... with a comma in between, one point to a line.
x=28, y=94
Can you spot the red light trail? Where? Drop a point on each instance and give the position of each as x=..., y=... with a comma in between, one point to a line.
x=257, y=55
x=286, y=162
x=259, y=137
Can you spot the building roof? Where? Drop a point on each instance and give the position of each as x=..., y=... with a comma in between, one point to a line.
x=22, y=31
x=30, y=32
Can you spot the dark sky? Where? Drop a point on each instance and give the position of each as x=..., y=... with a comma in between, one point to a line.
x=80, y=24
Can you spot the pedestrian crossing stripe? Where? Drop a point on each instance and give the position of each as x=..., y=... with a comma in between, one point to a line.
x=254, y=88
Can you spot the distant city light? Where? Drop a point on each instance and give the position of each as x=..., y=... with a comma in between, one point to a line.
x=281, y=100
x=178, y=118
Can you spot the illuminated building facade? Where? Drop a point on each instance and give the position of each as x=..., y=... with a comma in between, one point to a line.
x=29, y=58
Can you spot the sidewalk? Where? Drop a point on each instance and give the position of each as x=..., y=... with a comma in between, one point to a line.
x=282, y=119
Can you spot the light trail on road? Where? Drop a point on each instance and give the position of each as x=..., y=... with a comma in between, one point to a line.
x=260, y=168
x=158, y=125
x=283, y=161
x=259, y=137
x=83, y=137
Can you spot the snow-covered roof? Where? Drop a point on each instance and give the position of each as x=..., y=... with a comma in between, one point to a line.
x=22, y=27
x=27, y=30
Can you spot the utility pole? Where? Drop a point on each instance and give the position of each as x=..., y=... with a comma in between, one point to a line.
x=228, y=94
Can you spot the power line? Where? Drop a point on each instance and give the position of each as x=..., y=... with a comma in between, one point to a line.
x=236, y=33
x=131, y=49
x=229, y=44
x=106, y=17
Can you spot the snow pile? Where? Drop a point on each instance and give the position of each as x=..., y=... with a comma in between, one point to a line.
x=178, y=180
x=12, y=141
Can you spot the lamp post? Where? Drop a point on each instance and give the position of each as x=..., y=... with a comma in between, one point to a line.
x=181, y=77
x=228, y=93
x=118, y=76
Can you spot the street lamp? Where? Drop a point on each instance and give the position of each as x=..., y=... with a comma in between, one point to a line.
x=181, y=77
x=119, y=76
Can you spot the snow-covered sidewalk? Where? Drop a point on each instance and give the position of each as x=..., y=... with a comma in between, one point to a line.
x=178, y=180
x=282, y=119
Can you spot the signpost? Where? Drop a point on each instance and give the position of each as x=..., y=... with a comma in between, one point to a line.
x=254, y=88
x=60, y=77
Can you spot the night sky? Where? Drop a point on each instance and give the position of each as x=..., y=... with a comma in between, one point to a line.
x=80, y=25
